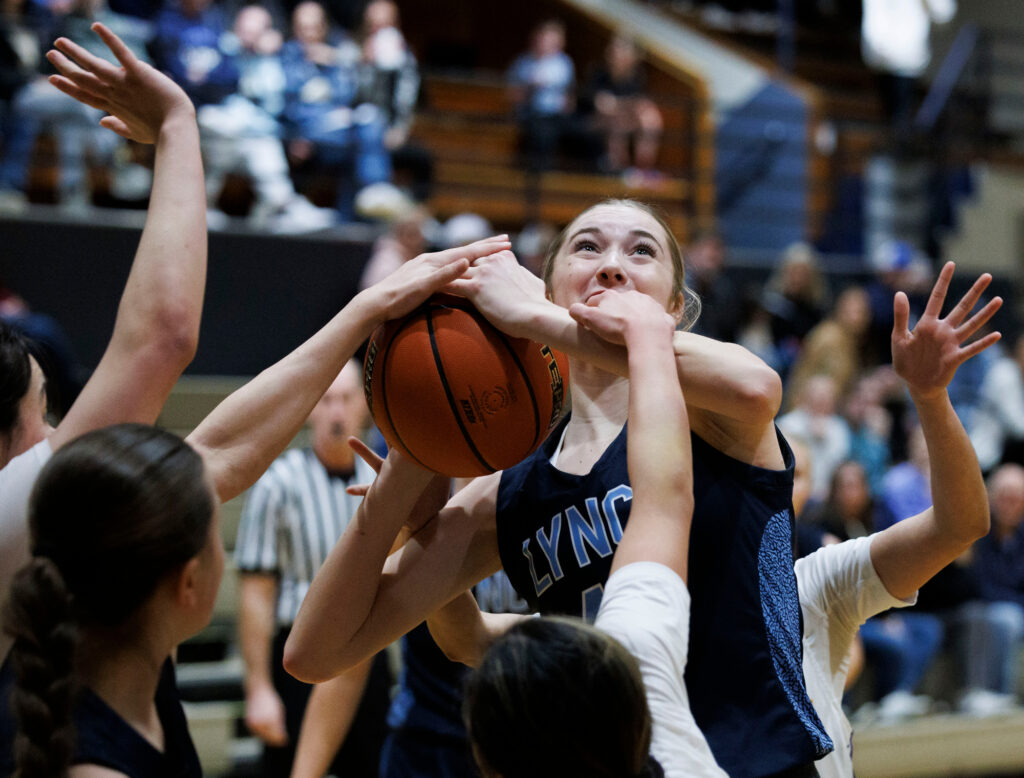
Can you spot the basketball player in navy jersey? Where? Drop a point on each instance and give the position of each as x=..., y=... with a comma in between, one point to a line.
x=554, y=521
x=577, y=702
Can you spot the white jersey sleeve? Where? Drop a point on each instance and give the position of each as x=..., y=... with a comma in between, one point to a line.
x=646, y=607
x=16, y=481
x=839, y=590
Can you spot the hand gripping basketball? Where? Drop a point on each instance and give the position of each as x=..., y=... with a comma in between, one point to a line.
x=456, y=395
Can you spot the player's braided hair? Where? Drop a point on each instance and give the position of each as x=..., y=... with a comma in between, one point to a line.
x=112, y=514
x=39, y=616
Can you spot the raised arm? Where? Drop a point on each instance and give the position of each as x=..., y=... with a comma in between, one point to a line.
x=243, y=435
x=909, y=553
x=736, y=391
x=157, y=326
x=658, y=447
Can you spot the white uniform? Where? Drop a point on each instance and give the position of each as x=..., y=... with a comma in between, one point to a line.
x=16, y=481
x=646, y=607
x=839, y=591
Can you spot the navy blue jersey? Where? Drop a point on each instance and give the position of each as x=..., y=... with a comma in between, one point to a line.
x=429, y=695
x=557, y=533
x=102, y=737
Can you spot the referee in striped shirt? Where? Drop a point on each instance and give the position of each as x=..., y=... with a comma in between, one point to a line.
x=291, y=519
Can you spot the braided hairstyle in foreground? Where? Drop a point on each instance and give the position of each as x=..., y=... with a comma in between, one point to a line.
x=112, y=514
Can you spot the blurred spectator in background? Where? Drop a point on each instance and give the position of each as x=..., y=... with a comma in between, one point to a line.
x=898, y=267
x=75, y=125
x=717, y=292
x=187, y=45
x=870, y=426
x=326, y=121
x=997, y=424
x=814, y=420
x=389, y=78
x=809, y=535
x=906, y=487
x=241, y=132
x=631, y=123
x=895, y=43
x=994, y=623
x=463, y=229
x=899, y=647
x=837, y=346
x=53, y=349
x=21, y=57
x=405, y=240
x=291, y=519
x=531, y=245
x=796, y=298
x=541, y=83
x=849, y=510
x=754, y=330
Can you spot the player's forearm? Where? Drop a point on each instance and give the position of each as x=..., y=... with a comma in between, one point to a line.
x=464, y=632
x=659, y=445
x=256, y=626
x=457, y=628
x=726, y=379
x=244, y=434
x=722, y=378
x=659, y=460
x=959, y=499
x=329, y=713
x=163, y=298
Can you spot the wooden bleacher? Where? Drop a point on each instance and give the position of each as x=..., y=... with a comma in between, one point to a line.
x=468, y=124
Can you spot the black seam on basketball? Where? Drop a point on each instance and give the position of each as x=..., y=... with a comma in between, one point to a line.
x=529, y=387
x=451, y=397
x=384, y=389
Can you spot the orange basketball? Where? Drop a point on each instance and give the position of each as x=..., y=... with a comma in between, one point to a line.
x=457, y=395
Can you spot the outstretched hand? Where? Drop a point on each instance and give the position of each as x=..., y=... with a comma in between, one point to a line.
x=611, y=314
x=928, y=356
x=137, y=97
x=417, y=279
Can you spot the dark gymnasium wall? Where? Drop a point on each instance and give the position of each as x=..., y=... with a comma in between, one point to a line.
x=264, y=294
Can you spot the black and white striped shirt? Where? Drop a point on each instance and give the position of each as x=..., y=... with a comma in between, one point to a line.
x=291, y=519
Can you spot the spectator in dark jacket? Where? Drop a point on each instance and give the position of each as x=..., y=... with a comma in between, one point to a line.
x=994, y=624
x=324, y=116
x=188, y=46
